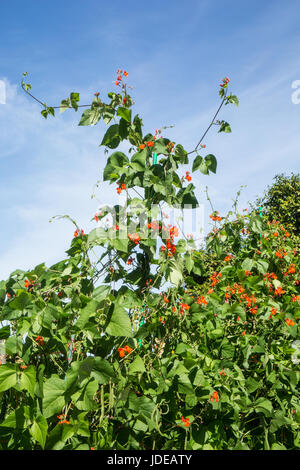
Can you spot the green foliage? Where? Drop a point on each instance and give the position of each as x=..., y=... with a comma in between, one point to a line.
x=207, y=363
x=281, y=201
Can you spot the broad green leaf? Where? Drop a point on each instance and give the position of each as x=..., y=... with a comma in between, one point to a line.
x=39, y=430
x=119, y=324
x=102, y=370
x=264, y=406
x=86, y=313
x=84, y=398
x=111, y=138
x=13, y=345
x=18, y=419
x=197, y=163
x=211, y=162
x=138, y=160
x=137, y=366
x=125, y=113
x=20, y=302
x=4, y=332
x=8, y=376
x=28, y=380
x=90, y=117
x=118, y=160
x=54, y=399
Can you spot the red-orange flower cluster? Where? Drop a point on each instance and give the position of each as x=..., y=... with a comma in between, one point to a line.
x=134, y=237
x=214, y=396
x=40, y=340
x=214, y=216
x=225, y=81
x=62, y=419
x=76, y=233
x=186, y=421
x=124, y=350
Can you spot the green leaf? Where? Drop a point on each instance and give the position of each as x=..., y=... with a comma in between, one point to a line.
x=64, y=105
x=225, y=127
x=264, y=406
x=100, y=293
x=197, y=163
x=137, y=366
x=84, y=399
x=8, y=376
x=18, y=419
x=203, y=167
x=120, y=244
x=252, y=385
x=102, y=370
x=119, y=324
x=118, y=160
x=13, y=345
x=54, y=400
x=88, y=311
x=90, y=117
x=211, y=162
x=4, y=332
x=39, y=430
x=233, y=99
x=188, y=261
x=74, y=97
x=20, y=302
x=28, y=380
x=247, y=264
x=125, y=113
x=262, y=266
x=111, y=138
x=138, y=160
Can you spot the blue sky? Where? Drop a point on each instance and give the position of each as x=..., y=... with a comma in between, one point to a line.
x=176, y=53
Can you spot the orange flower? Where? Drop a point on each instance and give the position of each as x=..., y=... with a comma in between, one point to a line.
x=125, y=73
x=202, y=299
x=128, y=349
x=214, y=396
x=292, y=269
x=289, y=322
x=27, y=283
x=248, y=273
x=222, y=372
x=142, y=146
x=40, y=340
x=187, y=176
x=279, y=291
x=150, y=144
x=134, y=238
x=244, y=332
x=166, y=299
x=121, y=352
x=186, y=421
